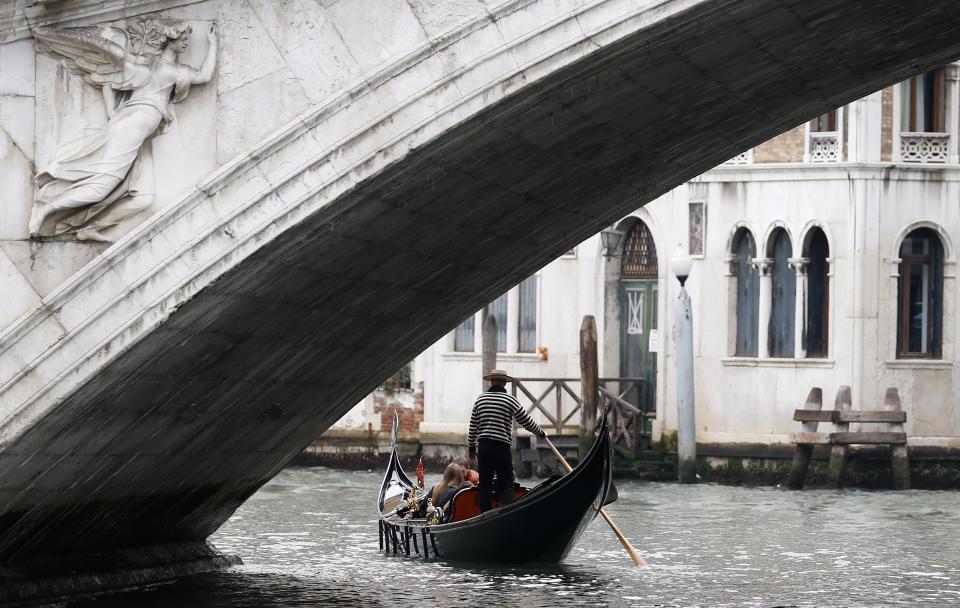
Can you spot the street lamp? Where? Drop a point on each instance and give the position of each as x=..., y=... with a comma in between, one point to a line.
x=611, y=238
x=681, y=265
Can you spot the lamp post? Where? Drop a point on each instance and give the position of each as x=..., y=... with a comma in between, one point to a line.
x=610, y=239
x=680, y=264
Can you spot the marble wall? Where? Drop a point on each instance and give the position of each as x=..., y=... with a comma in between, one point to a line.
x=276, y=62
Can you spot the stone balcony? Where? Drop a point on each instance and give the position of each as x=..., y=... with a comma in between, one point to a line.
x=744, y=158
x=824, y=147
x=924, y=147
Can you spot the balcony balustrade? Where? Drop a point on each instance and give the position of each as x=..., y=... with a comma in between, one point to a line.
x=824, y=147
x=924, y=147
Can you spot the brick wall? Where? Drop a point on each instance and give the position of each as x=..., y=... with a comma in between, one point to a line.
x=784, y=148
x=886, y=125
x=409, y=424
x=410, y=417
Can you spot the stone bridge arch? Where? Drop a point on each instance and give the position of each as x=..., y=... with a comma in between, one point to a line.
x=185, y=365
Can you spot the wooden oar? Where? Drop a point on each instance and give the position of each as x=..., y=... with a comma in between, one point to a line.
x=623, y=539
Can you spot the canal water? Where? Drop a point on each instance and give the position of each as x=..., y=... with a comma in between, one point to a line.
x=309, y=538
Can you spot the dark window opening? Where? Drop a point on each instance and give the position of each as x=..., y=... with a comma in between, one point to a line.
x=527, y=338
x=923, y=103
x=498, y=308
x=748, y=294
x=401, y=380
x=825, y=122
x=463, y=336
x=920, y=296
x=783, y=302
x=818, y=295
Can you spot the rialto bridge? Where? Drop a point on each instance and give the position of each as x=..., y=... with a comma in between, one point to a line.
x=352, y=179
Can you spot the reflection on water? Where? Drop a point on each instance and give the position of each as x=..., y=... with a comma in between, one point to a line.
x=309, y=538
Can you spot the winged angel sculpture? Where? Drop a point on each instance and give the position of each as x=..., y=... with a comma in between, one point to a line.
x=97, y=181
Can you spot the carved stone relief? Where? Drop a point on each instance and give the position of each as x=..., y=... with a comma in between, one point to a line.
x=104, y=177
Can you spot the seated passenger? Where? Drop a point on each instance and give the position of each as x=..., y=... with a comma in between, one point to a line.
x=470, y=476
x=443, y=492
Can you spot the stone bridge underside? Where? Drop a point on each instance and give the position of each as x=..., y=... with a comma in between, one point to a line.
x=170, y=378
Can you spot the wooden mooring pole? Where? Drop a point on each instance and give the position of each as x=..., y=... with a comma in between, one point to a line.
x=899, y=460
x=803, y=451
x=488, y=341
x=891, y=416
x=838, y=452
x=589, y=381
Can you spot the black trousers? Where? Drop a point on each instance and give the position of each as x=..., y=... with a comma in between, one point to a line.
x=495, y=466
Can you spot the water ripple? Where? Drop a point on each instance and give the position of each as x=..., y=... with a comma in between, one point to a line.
x=309, y=538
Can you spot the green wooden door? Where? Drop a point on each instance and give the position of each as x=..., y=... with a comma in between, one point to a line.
x=639, y=340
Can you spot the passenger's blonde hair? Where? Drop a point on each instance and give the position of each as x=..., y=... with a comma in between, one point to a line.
x=452, y=477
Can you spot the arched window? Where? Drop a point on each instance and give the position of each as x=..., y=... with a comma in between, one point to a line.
x=783, y=296
x=818, y=294
x=920, y=296
x=639, y=254
x=748, y=293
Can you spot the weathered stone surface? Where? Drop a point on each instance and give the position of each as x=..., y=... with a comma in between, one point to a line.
x=16, y=120
x=245, y=62
x=190, y=361
x=16, y=68
x=17, y=188
x=17, y=289
x=328, y=67
x=392, y=24
x=440, y=16
x=48, y=265
x=280, y=91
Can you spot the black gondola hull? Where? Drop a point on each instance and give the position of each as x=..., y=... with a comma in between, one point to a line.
x=541, y=527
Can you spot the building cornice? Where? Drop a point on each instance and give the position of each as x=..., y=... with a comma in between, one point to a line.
x=768, y=172
x=20, y=23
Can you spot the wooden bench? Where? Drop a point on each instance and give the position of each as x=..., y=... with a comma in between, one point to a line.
x=841, y=417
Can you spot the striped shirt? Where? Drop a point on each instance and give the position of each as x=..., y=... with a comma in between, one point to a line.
x=492, y=417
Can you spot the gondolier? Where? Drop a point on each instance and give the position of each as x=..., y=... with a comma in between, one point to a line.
x=491, y=432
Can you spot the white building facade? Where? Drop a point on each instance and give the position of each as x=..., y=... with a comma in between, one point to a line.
x=824, y=257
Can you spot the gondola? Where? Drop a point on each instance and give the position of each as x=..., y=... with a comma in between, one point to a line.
x=540, y=526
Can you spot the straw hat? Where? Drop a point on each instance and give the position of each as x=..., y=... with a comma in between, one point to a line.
x=499, y=374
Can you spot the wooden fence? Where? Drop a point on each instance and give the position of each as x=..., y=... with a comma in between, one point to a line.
x=559, y=403
x=557, y=400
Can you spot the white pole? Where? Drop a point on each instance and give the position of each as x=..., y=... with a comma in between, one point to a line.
x=686, y=426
